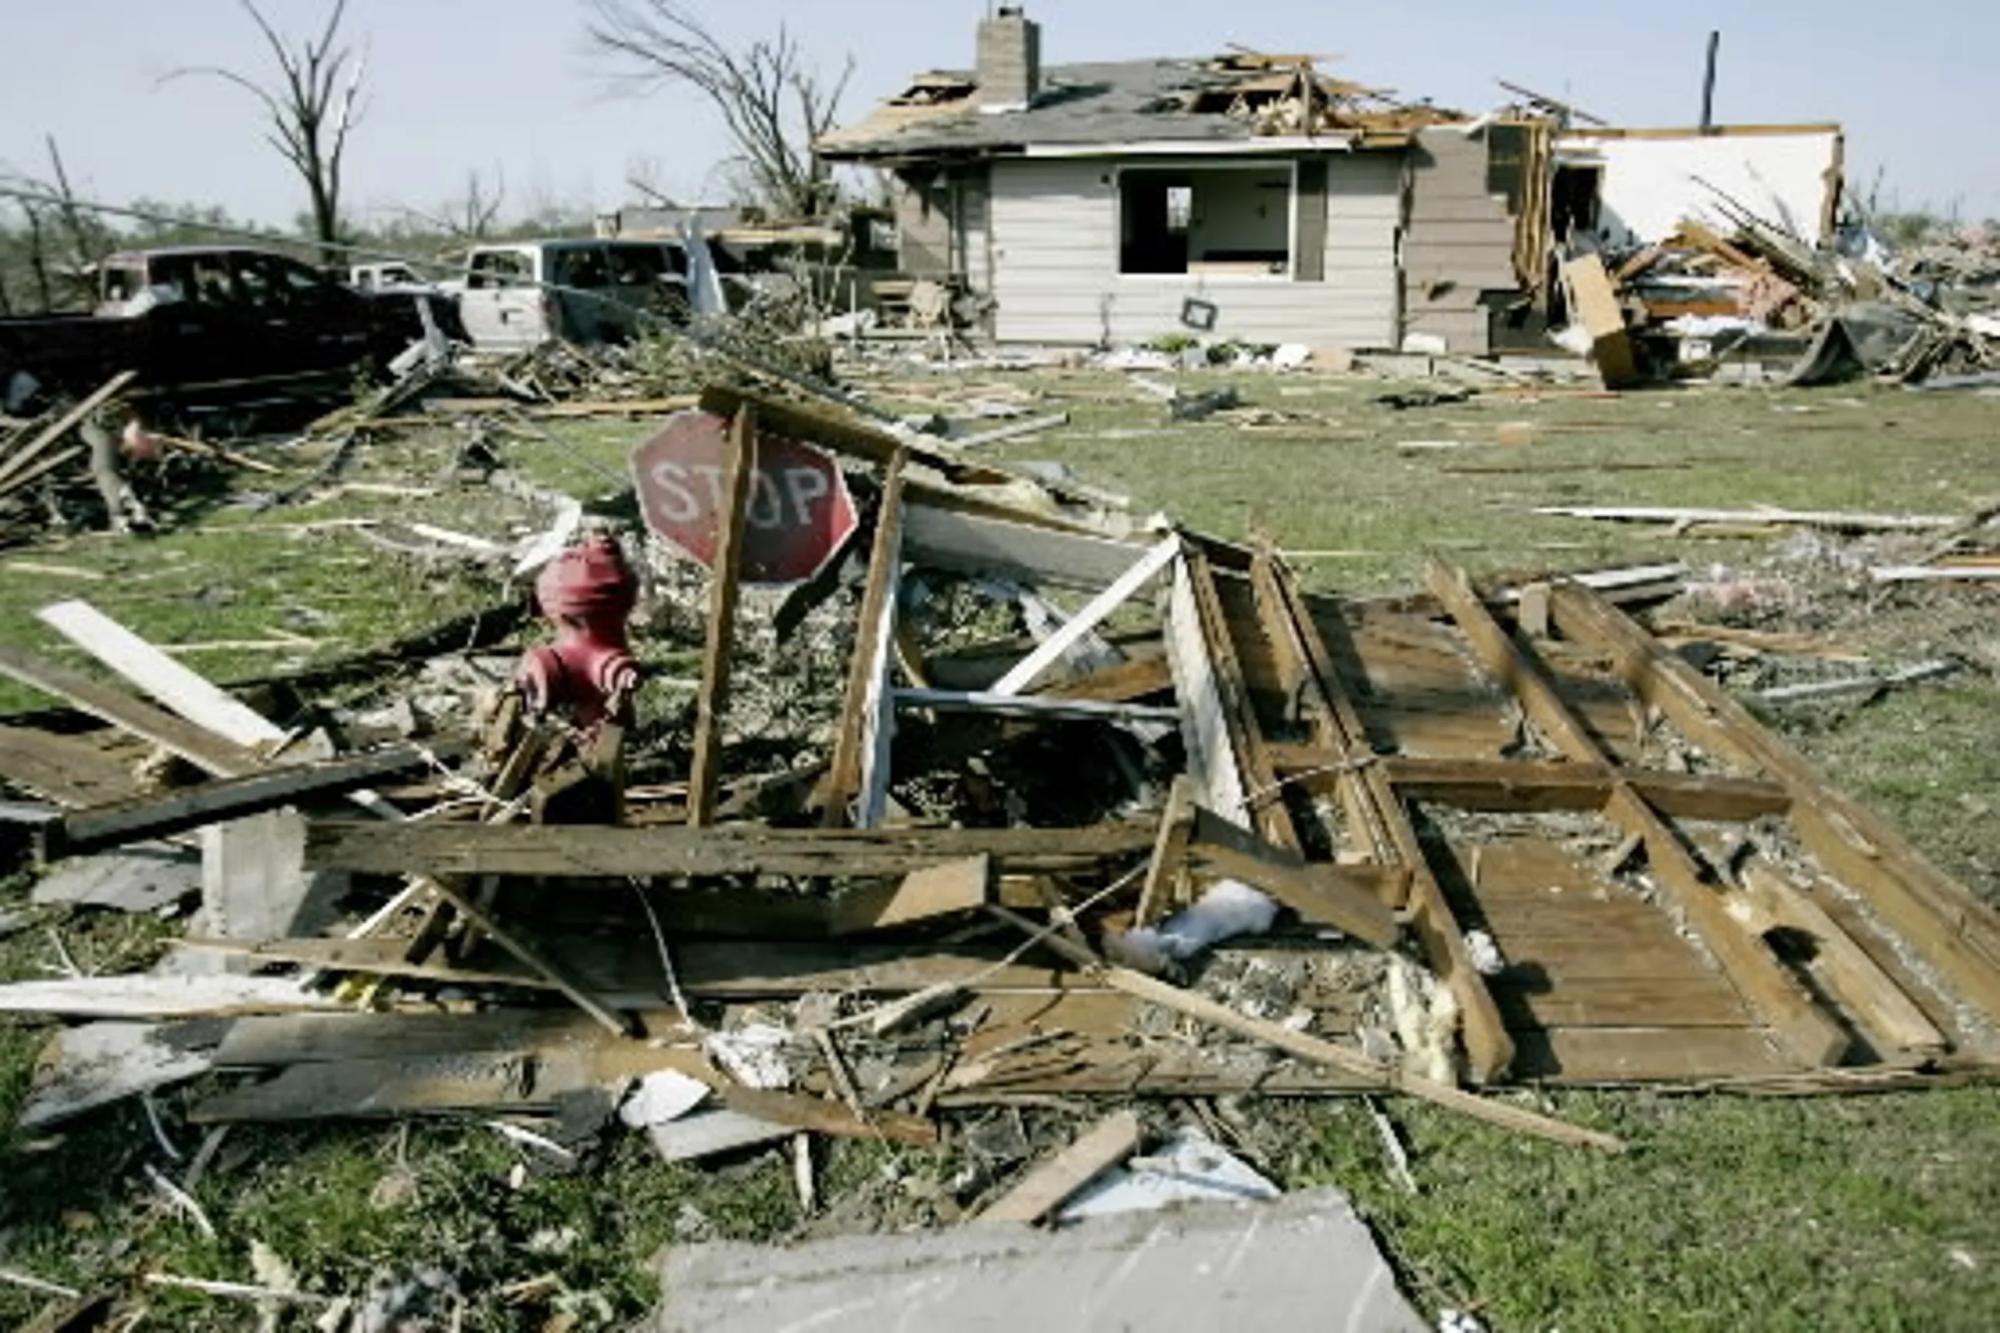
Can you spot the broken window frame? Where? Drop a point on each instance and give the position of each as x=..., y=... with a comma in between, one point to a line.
x=1197, y=165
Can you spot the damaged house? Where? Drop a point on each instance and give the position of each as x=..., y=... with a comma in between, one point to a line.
x=1253, y=197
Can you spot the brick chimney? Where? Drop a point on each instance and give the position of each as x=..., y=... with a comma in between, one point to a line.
x=1010, y=60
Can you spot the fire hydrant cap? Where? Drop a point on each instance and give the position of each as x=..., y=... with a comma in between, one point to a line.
x=588, y=579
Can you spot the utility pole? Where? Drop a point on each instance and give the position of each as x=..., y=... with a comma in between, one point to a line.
x=1708, y=84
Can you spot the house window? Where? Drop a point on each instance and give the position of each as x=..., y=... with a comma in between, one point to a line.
x=1218, y=221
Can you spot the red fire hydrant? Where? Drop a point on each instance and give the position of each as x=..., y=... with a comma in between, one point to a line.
x=589, y=672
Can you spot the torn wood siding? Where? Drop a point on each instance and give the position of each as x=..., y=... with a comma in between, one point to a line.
x=1055, y=263
x=1460, y=243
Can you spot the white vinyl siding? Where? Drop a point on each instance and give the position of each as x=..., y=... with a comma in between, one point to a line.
x=1055, y=262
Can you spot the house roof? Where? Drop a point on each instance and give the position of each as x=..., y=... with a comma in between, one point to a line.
x=1126, y=101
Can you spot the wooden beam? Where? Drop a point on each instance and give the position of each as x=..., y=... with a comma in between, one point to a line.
x=1382, y=824
x=507, y=938
x=204, y=749
x=120, y=822
x=842, y=433
x=1033, y=706
x=724, y=587
x=170, y=682
x=13, y=467
x=1800, y=1025
x=676, y=850
x=1379, y=1073
x=1010, y=547
x=866, y=721
x=1098, y=1149
x=1935, y=914
x=1264, y=807
x=1211, y=759
x=1169, y=852
x=1120, y=682
x=1088, y=617
x=1321, y=893
x=1532, y=785
x=1891, y=1018
x=933, y=891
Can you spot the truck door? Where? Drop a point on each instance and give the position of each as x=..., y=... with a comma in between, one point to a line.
x=197, y=325
x=314, y=322
x=502, y=304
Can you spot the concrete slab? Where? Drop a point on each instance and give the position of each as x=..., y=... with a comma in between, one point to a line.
x=1302, y=1264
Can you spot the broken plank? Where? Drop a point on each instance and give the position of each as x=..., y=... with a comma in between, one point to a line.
x=1806, y=1030
x=933, y=891
x=324, y=1038
x=983, y=547
x=824, y=1117
x=1385, y=832
x=859, y=770
x=1163, y=870
x=843, y=433
x=1834, y=521
x=16, y=465
x=460, y=1081
x=1101, y=1147
x=555, y=973
x=1118, y=682
x=177, y=687
x=147, y=995
x=1383, y=1074
x=713, y=695
x=1319, y=892
x=1528, y=785
x=1043, y=707
x=706, y=968
x=1938, y=916
x=191, y=807
x=520, y=849
x=1891, y=1018
x=200, y=747
x=1088, y=617
x=66, y=769
x=95, y=1064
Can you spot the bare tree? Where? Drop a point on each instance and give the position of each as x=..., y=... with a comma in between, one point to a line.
x=309, y=110
x=773, y=103
x=470, y=214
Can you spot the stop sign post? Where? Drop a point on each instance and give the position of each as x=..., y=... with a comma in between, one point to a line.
x=798, y=512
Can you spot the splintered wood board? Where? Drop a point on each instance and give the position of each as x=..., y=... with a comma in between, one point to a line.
x=1599, y=985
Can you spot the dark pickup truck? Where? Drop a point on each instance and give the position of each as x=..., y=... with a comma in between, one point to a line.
x=206, y=324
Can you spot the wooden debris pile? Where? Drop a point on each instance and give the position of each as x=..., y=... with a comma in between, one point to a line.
x=1198, y=832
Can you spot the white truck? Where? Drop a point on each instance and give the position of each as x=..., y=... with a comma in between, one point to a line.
x=581, y=289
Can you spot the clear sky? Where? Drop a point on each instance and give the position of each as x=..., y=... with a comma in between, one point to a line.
x=507, y=85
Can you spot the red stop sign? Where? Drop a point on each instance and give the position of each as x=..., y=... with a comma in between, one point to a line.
x=799, y=510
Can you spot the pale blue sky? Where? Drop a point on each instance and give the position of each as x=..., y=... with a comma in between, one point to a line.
x=506, y=83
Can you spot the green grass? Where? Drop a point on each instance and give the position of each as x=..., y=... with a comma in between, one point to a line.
x=1729, y=1213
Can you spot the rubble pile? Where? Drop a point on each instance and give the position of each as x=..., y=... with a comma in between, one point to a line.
x=1921, y=315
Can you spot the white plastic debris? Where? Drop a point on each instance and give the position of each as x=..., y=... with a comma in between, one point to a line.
x=661, y=1096
x=1189, y=1168
x=1228, y=909
x=1290, y=356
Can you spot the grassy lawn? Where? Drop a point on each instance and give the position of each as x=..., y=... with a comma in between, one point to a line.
x=1869, y=1211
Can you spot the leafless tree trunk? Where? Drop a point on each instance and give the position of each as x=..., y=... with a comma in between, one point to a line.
x=772, y=102
x=309, y=110
x=471, y=214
